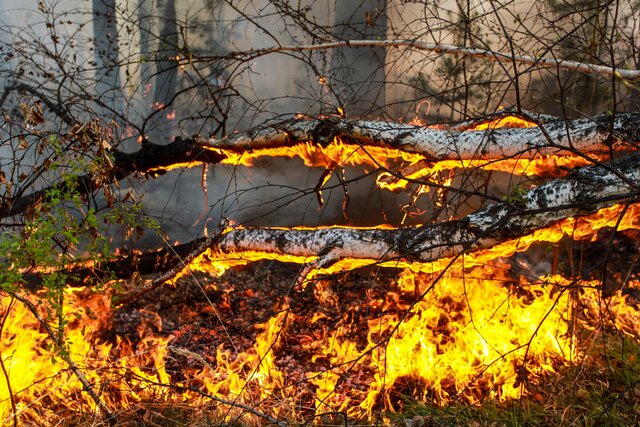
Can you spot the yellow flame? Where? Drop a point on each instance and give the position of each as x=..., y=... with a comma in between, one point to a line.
x=508, y=121
x=476, y=332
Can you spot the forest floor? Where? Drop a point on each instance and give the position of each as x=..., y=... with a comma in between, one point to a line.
x=204, y=314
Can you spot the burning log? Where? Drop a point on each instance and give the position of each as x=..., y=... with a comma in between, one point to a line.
x=600, y=134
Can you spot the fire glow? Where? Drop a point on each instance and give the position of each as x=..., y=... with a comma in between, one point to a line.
x=464, y=328
x=477, y=334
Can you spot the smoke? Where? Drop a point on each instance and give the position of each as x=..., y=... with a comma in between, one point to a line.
x=132, y=67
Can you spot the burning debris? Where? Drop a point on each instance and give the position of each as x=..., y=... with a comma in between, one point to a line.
x=349, y=320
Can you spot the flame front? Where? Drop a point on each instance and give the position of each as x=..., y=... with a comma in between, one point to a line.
x=476, y=332
x=467, y=328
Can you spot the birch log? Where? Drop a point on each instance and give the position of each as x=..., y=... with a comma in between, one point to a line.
x=599, y=134
x=583, y=191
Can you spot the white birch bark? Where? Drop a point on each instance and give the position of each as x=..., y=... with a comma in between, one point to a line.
x=584, y=191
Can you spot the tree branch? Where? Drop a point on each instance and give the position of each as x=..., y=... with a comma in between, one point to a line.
x=149, y=158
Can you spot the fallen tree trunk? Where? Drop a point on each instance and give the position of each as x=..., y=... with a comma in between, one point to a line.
x=582, y=192
x=600, y=134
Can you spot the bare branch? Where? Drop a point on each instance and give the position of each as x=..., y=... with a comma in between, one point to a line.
x=443, y=48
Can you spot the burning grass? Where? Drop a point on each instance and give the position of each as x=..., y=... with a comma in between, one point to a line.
x=488, y=338
x=482, y=346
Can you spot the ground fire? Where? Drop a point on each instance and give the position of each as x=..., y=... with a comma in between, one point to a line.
x=263, y=324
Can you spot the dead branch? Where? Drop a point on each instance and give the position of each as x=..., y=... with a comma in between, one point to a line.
x=125, y=266
x=151, y=158
x=599, y=134
x=174, y=271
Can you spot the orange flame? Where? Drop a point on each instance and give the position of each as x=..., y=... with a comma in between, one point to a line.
x=475, y=333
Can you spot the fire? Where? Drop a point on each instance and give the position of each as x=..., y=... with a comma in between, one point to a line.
x=493, y=333
x=477, y=332
x=463, y=328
